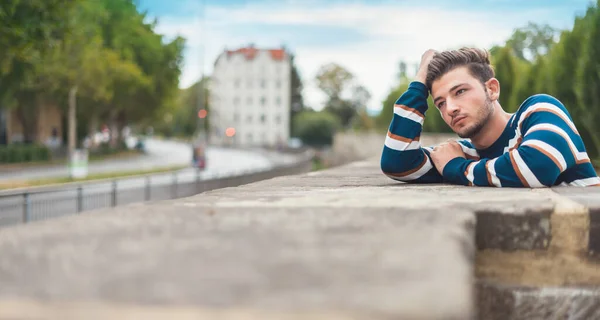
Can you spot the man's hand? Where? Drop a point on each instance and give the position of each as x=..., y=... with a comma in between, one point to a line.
x=445, y=152
x=425, y=60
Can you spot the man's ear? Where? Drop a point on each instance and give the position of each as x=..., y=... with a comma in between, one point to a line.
x=492, y=87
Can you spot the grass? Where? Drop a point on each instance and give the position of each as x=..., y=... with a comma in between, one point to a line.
x=92, y=158
x=91, y=177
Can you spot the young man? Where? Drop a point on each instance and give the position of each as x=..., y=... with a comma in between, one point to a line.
x=535, y=147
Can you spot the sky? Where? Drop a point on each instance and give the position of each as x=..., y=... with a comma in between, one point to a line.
x=367, y=37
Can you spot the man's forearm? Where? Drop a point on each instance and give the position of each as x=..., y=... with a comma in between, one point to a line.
x=403, y=158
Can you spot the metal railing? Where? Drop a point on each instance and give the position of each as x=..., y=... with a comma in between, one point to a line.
x=45, y=203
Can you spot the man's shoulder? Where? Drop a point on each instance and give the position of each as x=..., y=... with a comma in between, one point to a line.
x=538, y=100
x=544, y=105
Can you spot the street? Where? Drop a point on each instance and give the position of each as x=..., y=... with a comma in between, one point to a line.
x=221, y=162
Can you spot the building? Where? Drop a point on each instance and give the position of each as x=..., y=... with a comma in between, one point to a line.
x=48, y=128
x=250, y=97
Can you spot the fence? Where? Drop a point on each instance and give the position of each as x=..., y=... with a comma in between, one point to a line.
x=23, y=207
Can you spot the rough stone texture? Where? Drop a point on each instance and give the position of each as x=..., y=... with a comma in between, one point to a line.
x=287, y=245
x=345, y=243
x=590, y=198
x=497, y=302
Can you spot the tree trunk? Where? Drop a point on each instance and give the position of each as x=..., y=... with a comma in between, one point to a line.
x=114, y=131
x=72, y=119
x=92, y=129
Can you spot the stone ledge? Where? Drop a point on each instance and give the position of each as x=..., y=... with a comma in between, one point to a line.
x=499, y=302
x=345, y=242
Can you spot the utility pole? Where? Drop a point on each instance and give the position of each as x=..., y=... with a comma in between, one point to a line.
x=72, y=119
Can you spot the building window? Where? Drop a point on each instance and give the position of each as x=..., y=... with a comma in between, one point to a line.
x=249, y=119
x=236, y=101
x=237, y=83
x=262, y=118
x=249, y=84
x=278, y=84
x=236, y=117
x=278, y=119
x=249, y=101
x=263, y=101
x=263, y=83
x=249, y=137
x=278, y=101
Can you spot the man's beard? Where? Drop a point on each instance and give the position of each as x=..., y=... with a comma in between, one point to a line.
x=483, y=116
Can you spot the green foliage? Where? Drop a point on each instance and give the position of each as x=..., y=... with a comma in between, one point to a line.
x=316, y=129
x=433, y=120
x=124, y=72
x=24, y=153
x=334, y=80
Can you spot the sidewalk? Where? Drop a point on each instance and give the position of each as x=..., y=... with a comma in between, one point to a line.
x=159, y=154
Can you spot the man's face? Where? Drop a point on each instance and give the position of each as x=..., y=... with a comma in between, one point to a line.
x=461, y=99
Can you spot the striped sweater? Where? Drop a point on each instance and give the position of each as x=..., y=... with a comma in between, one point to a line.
x=539, y=147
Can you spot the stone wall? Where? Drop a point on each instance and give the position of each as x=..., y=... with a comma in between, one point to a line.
x=341, y=243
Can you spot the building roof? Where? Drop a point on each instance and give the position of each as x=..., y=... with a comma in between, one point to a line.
x=250, y=53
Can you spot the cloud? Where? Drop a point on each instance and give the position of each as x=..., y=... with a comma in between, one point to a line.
x=384, y=34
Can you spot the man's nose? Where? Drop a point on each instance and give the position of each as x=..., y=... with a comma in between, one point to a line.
x=452, y=108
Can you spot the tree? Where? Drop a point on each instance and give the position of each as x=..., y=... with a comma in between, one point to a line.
x=29, y=29
x=588, y=83
x=532, y=41
x=505, y=64
x=297, y=100
x=316, y=129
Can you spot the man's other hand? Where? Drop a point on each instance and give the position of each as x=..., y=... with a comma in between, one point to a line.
x=425, y=60
x=443, y=153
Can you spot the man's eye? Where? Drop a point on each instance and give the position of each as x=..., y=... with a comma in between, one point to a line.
x=441, y=104
x=460, y=91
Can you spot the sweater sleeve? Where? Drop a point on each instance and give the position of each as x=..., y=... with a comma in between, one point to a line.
x=547, y=144
x=403, y=158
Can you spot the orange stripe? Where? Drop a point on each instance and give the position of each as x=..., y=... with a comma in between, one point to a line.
x=400, y=138
x=489, y=176
x=517, y=171
x=517, y=144
x=401, y=106
x=411, y=171
x=466, y=173
x=571, y=145
x=566, y=120
x=547, y=154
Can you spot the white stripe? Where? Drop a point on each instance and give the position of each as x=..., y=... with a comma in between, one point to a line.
x=546, y=105
x=401, y=145
x=492, y=169
x=585, y=182
x=469, y=151
x=417, y=174
x=550, y=127
x=512, y=142
x=532, y=181
x=408, y=115
x=471, y=172
x=550, y=149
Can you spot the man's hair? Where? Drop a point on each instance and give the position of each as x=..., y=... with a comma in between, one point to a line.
x=476, y=60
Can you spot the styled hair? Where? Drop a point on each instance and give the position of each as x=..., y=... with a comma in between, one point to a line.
x=476, y=60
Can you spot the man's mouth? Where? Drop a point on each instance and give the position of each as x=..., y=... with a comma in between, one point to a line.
x=458, y=119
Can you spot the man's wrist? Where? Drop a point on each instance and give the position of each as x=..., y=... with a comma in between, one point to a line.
x=453, y=170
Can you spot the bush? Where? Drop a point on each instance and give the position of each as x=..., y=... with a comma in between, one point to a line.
x=316, y=129
x=24, y=153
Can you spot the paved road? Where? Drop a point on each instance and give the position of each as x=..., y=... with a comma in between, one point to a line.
x=221, y=162
x=159, y=153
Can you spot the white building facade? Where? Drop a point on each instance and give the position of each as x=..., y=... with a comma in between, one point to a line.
x=250, y=95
